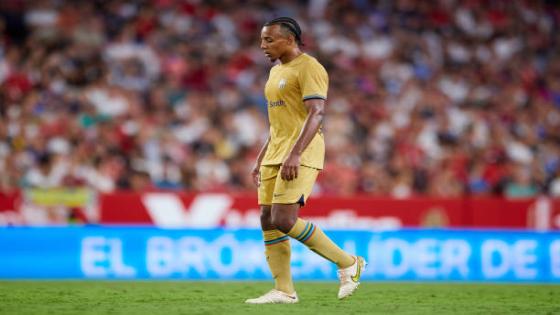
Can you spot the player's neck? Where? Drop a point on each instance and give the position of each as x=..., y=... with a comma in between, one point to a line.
x=290, y=55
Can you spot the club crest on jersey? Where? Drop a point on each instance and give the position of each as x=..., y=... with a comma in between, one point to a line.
x=281, y=83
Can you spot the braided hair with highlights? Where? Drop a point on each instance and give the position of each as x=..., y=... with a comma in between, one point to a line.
x=288, y=24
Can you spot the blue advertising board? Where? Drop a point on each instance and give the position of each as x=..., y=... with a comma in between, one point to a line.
x=152, y=253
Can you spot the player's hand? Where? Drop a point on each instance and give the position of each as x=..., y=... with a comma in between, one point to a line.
x=290, y=167
x=256, y=174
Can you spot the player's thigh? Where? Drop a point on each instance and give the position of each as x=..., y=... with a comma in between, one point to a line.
x=268, y=176
x=296, y=190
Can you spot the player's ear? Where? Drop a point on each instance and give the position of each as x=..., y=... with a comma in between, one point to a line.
x=291, y=39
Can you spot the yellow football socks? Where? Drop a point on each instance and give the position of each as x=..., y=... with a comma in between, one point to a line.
x=314, y=238
x=278, y=252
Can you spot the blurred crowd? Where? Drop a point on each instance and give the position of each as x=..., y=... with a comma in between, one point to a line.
x=438, y=98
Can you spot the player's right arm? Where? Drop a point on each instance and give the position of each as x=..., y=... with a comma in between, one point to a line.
x=255, y=172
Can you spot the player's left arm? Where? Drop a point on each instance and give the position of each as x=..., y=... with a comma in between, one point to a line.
x=315, y=113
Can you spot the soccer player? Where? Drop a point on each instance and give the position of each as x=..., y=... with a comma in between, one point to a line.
x=291, y=158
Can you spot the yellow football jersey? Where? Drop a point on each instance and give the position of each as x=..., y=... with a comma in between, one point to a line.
x=287, y=87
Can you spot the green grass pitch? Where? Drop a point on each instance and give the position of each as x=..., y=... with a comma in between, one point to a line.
x=317, y=298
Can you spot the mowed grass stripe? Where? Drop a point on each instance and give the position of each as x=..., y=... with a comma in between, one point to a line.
x=186, y=297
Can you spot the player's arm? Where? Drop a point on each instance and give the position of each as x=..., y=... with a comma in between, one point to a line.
x=255, y=171
x=315, y=113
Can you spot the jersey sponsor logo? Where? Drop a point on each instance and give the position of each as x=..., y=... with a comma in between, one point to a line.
x=276, y=103
x=282, y=83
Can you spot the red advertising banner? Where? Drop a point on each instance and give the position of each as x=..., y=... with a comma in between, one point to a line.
x=10, y=208
x=213, y=210
x=208, y=210
x=8, y=200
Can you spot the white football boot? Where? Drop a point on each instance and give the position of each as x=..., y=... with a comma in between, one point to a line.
x=350, y=277
x=275, y=297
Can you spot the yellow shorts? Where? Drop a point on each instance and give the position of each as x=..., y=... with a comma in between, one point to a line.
x=273, y=189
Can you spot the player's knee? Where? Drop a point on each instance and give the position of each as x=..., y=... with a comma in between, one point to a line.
x=266, y=217
x=283, y=223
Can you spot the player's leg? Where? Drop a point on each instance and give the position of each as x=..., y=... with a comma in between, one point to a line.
x=289, y=197
x=285, y=218
x=277, y=246
x=277, y=251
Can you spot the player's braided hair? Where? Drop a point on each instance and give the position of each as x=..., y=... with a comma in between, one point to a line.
x=289, y=24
